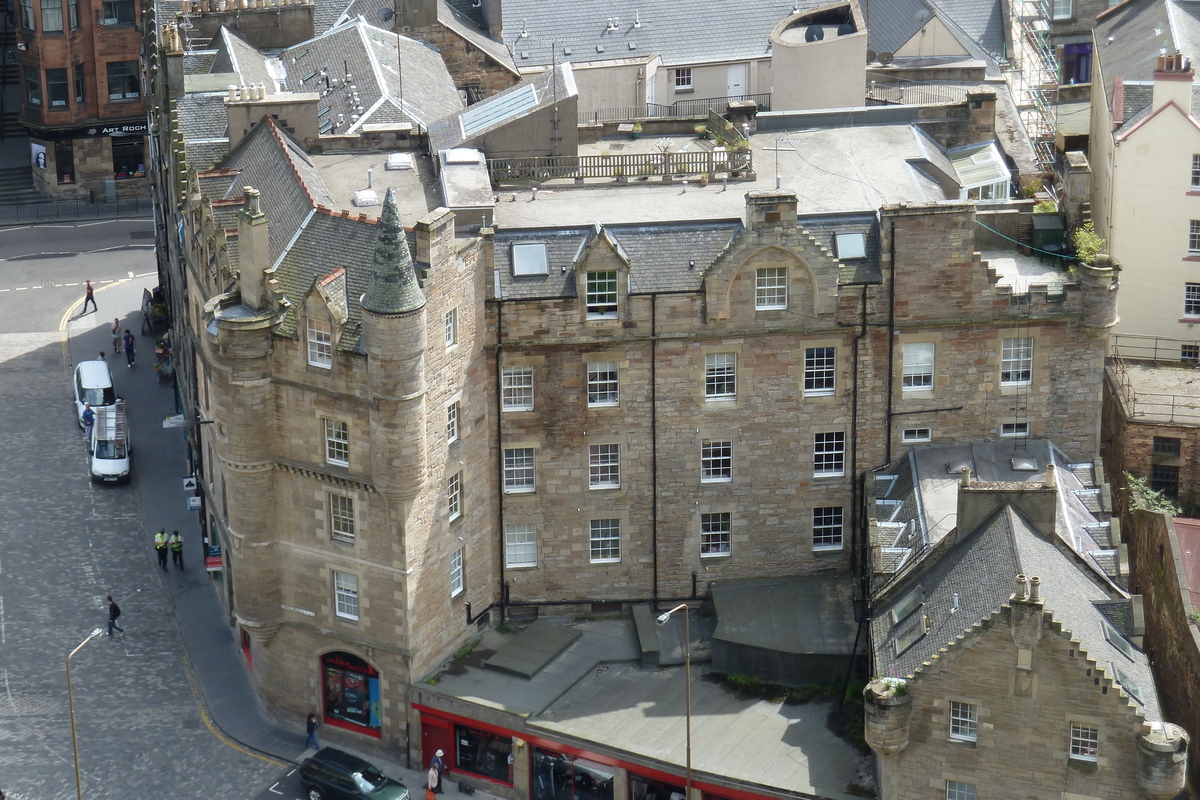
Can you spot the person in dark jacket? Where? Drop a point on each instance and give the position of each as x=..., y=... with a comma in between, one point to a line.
x=114, y=611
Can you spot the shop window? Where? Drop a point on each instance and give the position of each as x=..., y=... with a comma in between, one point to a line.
x=482, y=753
x=641, y=788
x=351, y=689
x=64, y=161
x=129, y=157
x=123, y=83
x=558, y=776
x=58, y=88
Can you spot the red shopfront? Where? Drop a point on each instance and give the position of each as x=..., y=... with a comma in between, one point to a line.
x=543, y=769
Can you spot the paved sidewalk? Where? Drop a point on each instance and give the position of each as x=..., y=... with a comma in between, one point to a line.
x=217, y=667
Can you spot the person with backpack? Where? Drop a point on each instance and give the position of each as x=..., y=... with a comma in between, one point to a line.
x=114, y=611
x=130, y=345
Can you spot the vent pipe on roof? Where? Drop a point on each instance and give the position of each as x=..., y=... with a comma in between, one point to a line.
x=966, y=477
x=637, y=19
x=1051, y=476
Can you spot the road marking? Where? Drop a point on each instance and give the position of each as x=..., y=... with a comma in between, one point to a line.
x=273, y=790
x=187, y=668
x=3, y=639
x=8, y=691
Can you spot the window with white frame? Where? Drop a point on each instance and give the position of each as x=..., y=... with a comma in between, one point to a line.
x=1195, y=171
x=518, y=470
x=1016, y=361
x=604, y=466
x=452, y=327
x=603, y=386
x=827, y=528
x=341, y=517
x=1014, y=430
x=964, y=721
x=605, y=541
x=957, y=790
x=337, y=442
x=1085, y=742
x=716, y=461
x=716, y=534
x=1194, y=237
x=516, y=388
x=911, y=435
x=820, y=370
x=345, y=595
x=770, y=288
x=454, y=495
x=456, y=572
x=1063, y=9
x=520, y=545
x=601, y=294
x=918, y=366
x=320, y=343
x=1191, y=299
x=452, y=422
x=720, y=376
x=683, y=78
x=829, y=454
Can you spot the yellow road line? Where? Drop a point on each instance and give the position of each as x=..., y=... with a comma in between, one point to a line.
x=187, y=668
x=65, y=319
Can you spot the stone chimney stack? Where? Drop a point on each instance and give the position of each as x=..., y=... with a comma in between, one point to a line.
x=771, y=208
x=1025, y=620
x=253, y=249
x=1162, y=761
x=1173, y=78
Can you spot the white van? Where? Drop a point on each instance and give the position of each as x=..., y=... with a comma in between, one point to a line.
x=112, y=452
x=93, y=384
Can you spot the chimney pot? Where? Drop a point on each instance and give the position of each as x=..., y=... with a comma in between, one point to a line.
x=1051, y=476
x=1035, y=588
x=1022, y=587
x=966, y=477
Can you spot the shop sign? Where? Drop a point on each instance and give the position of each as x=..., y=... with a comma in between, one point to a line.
x=213, y=561
x=130, y=128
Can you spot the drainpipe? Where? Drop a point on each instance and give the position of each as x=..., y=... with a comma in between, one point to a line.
x=500, y=453
x=654, y=446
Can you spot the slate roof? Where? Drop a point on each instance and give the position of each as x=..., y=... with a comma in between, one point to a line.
x=204, y=123
x=979, y=570
x=681, y=36
x=198, y=62
x=392, y=288
x=368, y=54
x=660, y=253
x=235, y=54
x=1128, y=39
x=270, y=161
x=468, y=26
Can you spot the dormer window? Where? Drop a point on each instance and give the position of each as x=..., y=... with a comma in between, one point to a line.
x=601, y=294
x=320, y=343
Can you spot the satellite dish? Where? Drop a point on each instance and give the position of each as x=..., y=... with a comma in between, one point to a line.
x=385, y=14
x=814, y=33
x=845, y=28
x=886, y=58
x=871, y=56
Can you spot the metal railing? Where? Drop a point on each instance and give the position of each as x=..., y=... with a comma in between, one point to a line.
x=882, y=93
x=1152, y=348
x=624, y=165
x=1154, y=406
x=680, y=109
x=52, y=210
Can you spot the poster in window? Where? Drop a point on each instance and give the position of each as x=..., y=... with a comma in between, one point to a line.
x=351, y=690
x=38, y=154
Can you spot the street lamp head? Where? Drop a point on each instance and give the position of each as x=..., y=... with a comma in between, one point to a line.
x=664, y=618
x=96, y=633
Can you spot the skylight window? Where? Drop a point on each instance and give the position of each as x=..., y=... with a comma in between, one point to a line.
x=1131, y=687
x=910, y=603
x=851, y=245
x=1117, y=640
x=529, y=258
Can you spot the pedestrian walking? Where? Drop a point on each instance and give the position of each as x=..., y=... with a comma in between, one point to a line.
x=116, y=334
x=176, y=542
x=160, y=547
x=436, y=767
x=130, y=345
x=433, y=783
x=89, y=297
x=312, y=724
x=101, y=357
x=88, y=418
x=114, y=611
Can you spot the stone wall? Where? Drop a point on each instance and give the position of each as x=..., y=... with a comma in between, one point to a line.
x=1024, y=721
x=1158, y=575
x=467, y=64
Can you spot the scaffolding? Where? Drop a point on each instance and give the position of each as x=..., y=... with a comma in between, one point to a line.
x=1035, y=79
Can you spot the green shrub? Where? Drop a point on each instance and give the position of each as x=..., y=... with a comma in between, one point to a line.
x=1087, y=243
x=1143, y=497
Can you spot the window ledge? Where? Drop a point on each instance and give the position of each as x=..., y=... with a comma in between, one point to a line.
x=715, y=555
x=1192, y=256
x=682, y=90
x=605, y=561
x=520, y=566
x=1195, y=192
x=827, y=551
x=1083, y=764
x=959, y=741
x=519, y=491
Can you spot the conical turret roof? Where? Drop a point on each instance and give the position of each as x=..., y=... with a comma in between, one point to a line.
x=392, y=288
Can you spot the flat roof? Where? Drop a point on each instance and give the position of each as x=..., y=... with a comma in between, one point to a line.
x=346, y=173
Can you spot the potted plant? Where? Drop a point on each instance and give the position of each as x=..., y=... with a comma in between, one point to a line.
x=1045, y=207
x=701, y=131
x=636, y=130
x=704, y=179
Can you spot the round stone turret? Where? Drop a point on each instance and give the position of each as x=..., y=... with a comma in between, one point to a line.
x=1099, y=281
x=888, y=711
x=1162, y=761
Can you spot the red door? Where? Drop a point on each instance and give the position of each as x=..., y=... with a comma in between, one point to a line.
x=436, y=734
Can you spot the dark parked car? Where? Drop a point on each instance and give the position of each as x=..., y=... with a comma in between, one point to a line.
x=333, y=774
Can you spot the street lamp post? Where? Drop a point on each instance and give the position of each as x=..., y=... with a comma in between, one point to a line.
x=71, y=705
x=687, y=660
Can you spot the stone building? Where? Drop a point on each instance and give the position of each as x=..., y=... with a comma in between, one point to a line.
x=81, y=96
x=971, y=671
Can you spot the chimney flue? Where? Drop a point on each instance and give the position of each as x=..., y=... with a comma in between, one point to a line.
x=1035, y=589
x=966, y=477
x=1022, y=587
x=1051, y=476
